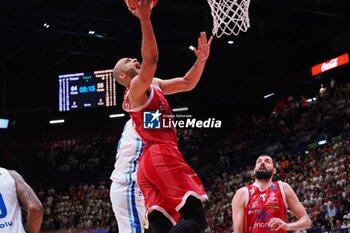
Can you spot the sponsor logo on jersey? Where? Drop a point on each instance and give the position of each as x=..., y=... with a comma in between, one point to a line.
x=3, y=209
x=272, y=207
x=264, y=225
x=5, y=224
x=254, y=205
x=273, y=199
x=262, y=215
x=252, y=191
x=263, y=197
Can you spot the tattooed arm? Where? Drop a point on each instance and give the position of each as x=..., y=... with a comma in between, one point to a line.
x=30, y=202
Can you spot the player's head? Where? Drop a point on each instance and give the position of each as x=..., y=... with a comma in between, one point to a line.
x=264, y=168
x=125, y=70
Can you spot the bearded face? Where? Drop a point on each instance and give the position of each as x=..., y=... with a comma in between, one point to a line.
x=263, y=174
x=264, y=168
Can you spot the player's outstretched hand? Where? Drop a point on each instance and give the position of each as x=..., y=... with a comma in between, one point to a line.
x=203, y=50
x=143, y=9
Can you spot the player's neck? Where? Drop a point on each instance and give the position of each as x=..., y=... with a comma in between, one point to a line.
x=263, y=184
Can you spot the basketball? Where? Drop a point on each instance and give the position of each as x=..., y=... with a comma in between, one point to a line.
x=132, y=6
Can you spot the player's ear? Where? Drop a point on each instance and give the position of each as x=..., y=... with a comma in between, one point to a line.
x=122, y=75
x=274, y=171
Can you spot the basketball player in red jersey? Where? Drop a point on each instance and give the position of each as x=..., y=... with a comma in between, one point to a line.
x=170, y=187
x=262, y=206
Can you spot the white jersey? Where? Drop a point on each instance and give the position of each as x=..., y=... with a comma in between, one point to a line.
x=10, y=211
x=126, y=197
x=128, y=152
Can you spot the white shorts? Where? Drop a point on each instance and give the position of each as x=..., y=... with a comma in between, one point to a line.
x=128, y=207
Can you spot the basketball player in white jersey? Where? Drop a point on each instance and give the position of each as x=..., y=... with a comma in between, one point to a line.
x=13, y=192
x=127, y=200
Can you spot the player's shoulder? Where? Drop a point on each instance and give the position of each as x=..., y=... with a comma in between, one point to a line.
x=15, y=175
x=127, y=124
x=242, y=191
x=3, y=172
x=282, y=183
x=240, y=198
x=287, y=189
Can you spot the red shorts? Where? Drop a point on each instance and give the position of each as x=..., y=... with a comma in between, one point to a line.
x=166, y=180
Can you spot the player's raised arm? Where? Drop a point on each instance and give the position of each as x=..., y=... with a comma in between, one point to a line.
x=30, y=202
x=149, y=51
x=193, y=75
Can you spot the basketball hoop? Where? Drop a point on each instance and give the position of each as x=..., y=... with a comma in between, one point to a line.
x=229, y=16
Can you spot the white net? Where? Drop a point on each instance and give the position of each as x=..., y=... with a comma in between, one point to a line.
x=230, y=16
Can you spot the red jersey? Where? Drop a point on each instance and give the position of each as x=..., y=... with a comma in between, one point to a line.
x=264, y=205
x=152, y=120
x=165, y=179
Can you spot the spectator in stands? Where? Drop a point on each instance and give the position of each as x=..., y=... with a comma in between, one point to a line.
x=322, y=91
x=337, y=226
x=345, y=224
x=300, y=231
x=331, y=210
x=323, y=229
x=346, y=215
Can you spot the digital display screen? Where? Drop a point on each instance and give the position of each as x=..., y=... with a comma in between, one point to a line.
x=4, y=123
x=86, y=90
x=331, y=64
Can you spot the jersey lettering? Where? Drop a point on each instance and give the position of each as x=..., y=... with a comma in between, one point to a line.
x=3, y=210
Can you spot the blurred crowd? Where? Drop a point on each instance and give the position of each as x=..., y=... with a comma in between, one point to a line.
x=299, y=123
x=191, y=141
x=81, y=207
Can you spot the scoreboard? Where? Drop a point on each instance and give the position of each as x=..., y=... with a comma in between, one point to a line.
x=86, y=90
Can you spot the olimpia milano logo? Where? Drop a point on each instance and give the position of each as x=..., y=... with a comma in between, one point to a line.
x=157, y=120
